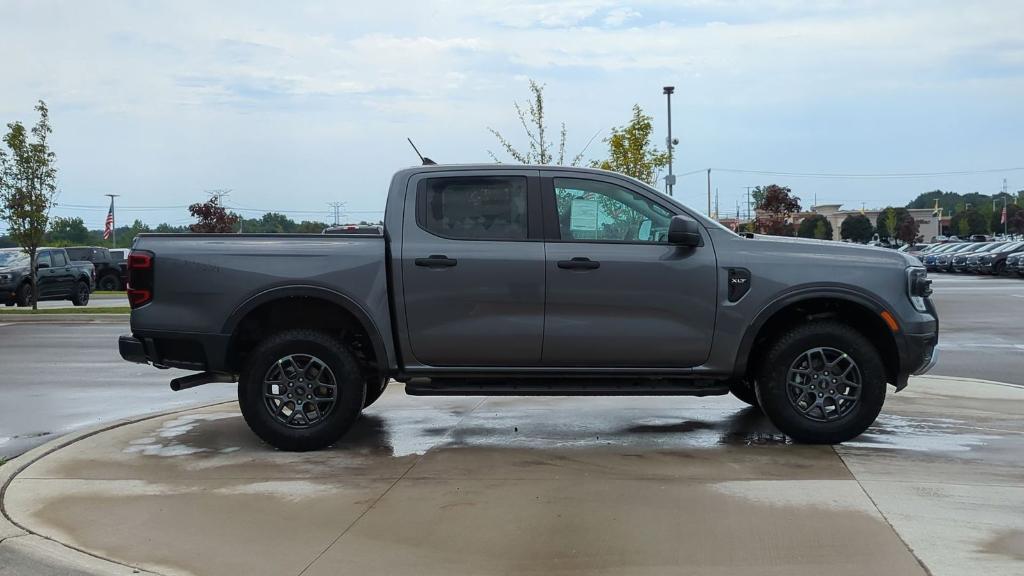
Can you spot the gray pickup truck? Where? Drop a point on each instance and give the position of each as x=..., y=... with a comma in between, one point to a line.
x=531, y=280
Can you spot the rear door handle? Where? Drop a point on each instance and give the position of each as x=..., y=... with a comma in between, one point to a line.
x=579, y=263
x=437, y=261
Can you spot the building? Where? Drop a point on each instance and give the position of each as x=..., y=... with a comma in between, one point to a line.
x=928, y=224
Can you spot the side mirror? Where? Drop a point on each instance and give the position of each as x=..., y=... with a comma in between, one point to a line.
x=683, y=232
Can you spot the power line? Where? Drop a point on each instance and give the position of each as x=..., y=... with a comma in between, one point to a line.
x=894, y=175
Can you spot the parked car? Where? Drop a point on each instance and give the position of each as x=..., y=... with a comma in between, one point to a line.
x=994, y=261
x=358, y=229
x=939, y=259
x=1015, y=264
x=525, y=280
x=110, y=273
x=959, y=262
x=58, y=277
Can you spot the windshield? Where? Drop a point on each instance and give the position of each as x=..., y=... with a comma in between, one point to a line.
x=1008, y=247
x=13, y=258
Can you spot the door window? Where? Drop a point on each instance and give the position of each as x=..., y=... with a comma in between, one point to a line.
x=600, y=211
x=43, y=258
x=475, y=208
x=59, y=261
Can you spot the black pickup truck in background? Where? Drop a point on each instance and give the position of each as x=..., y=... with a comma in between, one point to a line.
x=59, y=277
x=111, y=272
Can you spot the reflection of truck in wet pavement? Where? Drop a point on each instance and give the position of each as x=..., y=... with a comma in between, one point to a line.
x=520, y=280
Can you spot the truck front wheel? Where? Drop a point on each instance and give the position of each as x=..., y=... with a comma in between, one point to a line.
x=822, y=383
x=301, y=390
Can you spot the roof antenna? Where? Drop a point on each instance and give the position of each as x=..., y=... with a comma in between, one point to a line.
x=426, y=161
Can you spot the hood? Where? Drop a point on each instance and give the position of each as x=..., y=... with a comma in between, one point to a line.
x=839, y=249
x=13, y=269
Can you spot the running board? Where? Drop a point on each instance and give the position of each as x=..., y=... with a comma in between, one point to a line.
x=565, y=387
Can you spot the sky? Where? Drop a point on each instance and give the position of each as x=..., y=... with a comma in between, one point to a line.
x=292, y=105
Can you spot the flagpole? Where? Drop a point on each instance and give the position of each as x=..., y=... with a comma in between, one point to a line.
x=113, y=224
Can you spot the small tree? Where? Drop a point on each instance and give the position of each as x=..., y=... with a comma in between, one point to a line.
x=212, y=217
x=28, y=185
x=856, y=228
x=907, y=230
x=630, y=151
x=889, y=220
x=776, y=205
x=969, y=221
x=816, y=226
x=535, y=125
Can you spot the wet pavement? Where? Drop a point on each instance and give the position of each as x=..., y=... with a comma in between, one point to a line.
x=550, y=486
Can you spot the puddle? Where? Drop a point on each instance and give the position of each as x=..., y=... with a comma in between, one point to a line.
x=892, y=432
x=164, y=441
x=1009, y=543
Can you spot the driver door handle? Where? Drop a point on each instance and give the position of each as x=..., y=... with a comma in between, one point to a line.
x=579, y=263
x=436, y=261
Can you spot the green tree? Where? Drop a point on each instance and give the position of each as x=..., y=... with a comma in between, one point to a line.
x=28, y=184
x=538, y=150
x=969, y=221
x=908, y=229
x=816, y=226
x=996, y=221
x=630, y=151
x=888, y=221
x=856, y=228
x=68, y=232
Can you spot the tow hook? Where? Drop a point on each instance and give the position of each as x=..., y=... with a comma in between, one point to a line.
x=193, y=380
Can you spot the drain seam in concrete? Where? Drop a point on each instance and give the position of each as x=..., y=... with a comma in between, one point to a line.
x=882, y=514
x=385, y=493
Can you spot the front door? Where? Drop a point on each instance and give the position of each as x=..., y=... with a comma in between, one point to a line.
x=473, y=268
x=618, y=295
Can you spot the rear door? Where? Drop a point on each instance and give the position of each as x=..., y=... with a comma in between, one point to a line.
x=618, y=295
x=63, y=273
x=473, y=268
x=46, y=277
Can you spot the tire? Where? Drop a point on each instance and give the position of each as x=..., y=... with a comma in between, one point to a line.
x=374, y=388
x=80, y=297
x=742, y=390
x=288, y=356
x=833, y=417
x=109, y=283
x=999, y=269
x=24, y=297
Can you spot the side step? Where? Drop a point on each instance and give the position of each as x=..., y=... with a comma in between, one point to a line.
x=567, y=386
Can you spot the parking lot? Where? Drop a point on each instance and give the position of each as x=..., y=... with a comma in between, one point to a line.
x=472, y=485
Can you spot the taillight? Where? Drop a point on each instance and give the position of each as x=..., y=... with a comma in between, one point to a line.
x=140, y=278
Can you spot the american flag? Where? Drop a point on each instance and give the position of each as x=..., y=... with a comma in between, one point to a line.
x=1002, y=219
x=108, y=228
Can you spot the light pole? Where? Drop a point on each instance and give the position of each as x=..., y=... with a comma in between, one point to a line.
x=670, y=180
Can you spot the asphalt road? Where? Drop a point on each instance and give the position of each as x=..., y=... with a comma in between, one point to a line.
x=55, y=378
x=58, y=377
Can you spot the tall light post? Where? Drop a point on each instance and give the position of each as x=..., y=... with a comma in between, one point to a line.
x=670, y=180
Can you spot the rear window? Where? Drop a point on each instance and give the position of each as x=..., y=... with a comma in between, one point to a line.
x=475, y=208
x=80, y=253
x=59, y=261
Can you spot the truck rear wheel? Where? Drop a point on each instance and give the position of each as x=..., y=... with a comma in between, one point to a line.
x=80, y=297
x=822, y=383
x=109, y=283
x=301, y=390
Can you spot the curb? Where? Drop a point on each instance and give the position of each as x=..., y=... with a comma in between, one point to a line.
x=12, y=533
x=98, y=318
x=974, y=380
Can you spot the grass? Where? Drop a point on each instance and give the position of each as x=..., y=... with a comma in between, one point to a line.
x=3, y=460
x=80, y=310
x=109, y=293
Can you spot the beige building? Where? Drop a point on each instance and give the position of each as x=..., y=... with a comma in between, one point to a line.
x=928, y=225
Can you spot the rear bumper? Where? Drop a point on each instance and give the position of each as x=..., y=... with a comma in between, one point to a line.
x=190, y=351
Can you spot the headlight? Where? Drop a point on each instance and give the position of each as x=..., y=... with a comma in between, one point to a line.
x=919, y=287
x=5, y=277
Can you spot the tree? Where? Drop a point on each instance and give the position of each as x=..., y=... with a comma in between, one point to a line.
x=996, y=222
x=630, y=151
x=968, y=222
x=907, y=230
x=68, y=232
x=856, y=228
x=28, y=184
x=888, y=221
x=535, y=125
x=212, y=217
x=775, y=207
x=816, y=226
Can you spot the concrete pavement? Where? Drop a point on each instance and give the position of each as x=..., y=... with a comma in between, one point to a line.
x=548, y=486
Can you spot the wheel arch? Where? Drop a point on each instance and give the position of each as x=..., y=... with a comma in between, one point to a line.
x=320, y=308
x=859, y=309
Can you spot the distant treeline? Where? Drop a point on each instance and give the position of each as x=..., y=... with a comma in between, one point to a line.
x=73, y=232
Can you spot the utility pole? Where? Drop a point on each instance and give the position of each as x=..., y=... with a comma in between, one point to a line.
x=113, y=226
x=716, y=204
x=336, y=206
x=218, y=195
x=748, y=201
x=670, y=180
x=709, y=192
